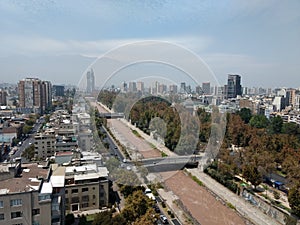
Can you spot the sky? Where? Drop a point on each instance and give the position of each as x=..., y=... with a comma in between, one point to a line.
x=59, y=40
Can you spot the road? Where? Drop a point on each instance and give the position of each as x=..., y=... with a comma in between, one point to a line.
x=28, y=140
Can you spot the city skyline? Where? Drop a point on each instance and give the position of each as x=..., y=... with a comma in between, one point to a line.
x=258, y=40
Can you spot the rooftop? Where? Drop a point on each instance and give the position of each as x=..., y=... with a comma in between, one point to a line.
x=30, y=179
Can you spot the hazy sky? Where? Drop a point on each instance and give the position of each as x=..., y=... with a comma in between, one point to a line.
x=58, y=39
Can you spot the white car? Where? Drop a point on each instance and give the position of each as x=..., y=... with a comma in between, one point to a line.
x=163, y=219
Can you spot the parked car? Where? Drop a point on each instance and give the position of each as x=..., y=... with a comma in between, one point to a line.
x=164, y=219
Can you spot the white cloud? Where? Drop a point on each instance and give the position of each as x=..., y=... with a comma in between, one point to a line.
x=39, y=45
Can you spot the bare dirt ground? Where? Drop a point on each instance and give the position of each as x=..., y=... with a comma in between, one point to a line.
x=143, y=147
x=202, y=205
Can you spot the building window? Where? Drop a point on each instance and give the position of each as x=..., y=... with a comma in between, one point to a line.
x=85, y=198
x=85, y=205
x=1, y=204
x=85, y=189
x=35, y=212
x=75, y=199
x=66, y=191
x=15, y=202
x=1, y=216
x=101, y=195
x=16, y=215
x=74, y=191
x=67, y=201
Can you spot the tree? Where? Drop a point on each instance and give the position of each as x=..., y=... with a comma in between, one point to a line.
x=251, y=173
x=259, y=121
x=70, y=219
x=276, y=195
x=290, y=128
x=103, y=218
x=245, y=114
x=136, y=205
x=275, y=125
x=294, y=199
x=28, y=153
x=26, y=129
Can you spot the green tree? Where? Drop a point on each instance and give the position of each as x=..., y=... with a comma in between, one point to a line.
x=28, y=153
x=259, y=121
x=290, y=128
x=69, y=219
x=245, y=114
x=251, y=173
x=276, y=195
x=103, y=218
x=294, y=199
x=275, y=125
x=26, y=129
x=136, y=205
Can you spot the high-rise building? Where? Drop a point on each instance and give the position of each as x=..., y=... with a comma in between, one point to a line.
x=182, y=87
x=90, y=81
x=206, y=88
x=173, y=89
x=140, y=86
x=3, y=95
x=132, y=87
x=199, y=90
x=233, y=87
x=58, y=90
x=35, y=95
x=162, y=88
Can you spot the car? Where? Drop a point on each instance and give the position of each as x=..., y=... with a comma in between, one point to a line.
x=124, y=160
x=164, y=219
x=156, y=209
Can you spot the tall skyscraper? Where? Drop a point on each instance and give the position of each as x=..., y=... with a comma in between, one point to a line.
x=132, y=87
x=90, y=81
x=3, y=95
x=206, y=88
x=34, y=94
x=233, y=87
x=173, y=89
x=58, y=90
x=140, y=86
x=182, y=87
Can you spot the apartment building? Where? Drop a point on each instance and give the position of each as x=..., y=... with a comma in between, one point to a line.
x=35, y=95
x=86, y=187
x=21, y=200
x=44, y=145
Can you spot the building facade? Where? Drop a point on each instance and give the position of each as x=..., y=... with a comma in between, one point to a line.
x=35, y=95
x=233, y=87
x=90, y=81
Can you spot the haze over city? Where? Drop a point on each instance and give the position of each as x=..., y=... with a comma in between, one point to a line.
x=57, y=41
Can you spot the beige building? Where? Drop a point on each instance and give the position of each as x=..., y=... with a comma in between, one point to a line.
x=21, y=201
x=44, y=145
x=86, y=187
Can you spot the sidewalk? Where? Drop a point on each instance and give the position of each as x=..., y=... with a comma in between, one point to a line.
x=247, y=210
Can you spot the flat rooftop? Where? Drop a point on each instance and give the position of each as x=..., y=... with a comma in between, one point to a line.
x=27, y=181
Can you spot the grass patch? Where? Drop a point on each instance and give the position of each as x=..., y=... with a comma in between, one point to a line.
x=231, y=206
x=164, y=154
x=194, y=178
x=90, y=217
x=136, y=133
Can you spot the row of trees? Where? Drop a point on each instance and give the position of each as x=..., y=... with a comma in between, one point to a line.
x=262, y=146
